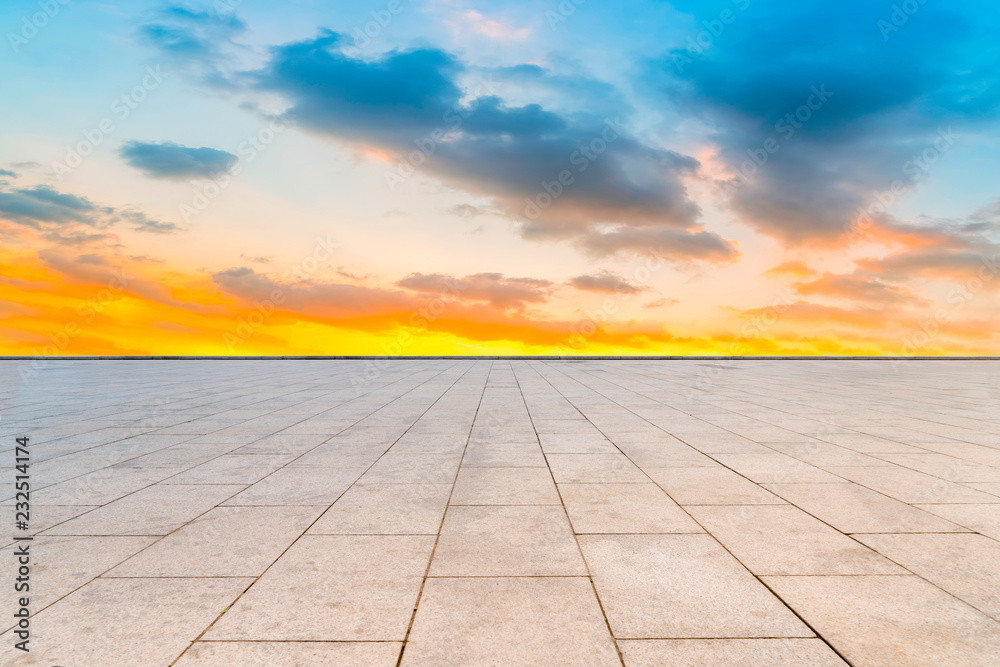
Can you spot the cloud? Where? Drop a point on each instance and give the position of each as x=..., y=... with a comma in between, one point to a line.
x=324, y=299
x=859, y=288
x=469, y=211
x=660, y=303
x=890, y=99
x=68, y=219
x=426, y=110
x=794, y=268
x=605, y=282
x=42, y=205
x=8, y=172
x=256, y=259
x=493, y=288
x=665, y=244
x=478, y=23
x=173, y=161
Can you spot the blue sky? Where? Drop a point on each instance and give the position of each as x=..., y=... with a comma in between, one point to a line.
x=552, y=147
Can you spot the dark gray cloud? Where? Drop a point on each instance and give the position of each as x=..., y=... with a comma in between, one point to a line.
x=562, y=175
x=8, y=173
x=173, y=161
x=663, y=244
x=68, y=219
x=891, y=98
x=606, y=282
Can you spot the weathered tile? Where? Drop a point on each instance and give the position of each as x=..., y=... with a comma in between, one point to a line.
x=887, y=620
x=681, y=586
x=509, y=621
x=506, y=541
x=155, y=510
x=781, y=539
x=231, y=469
x=854, y=509
x=354, y=588
x=299, y=486
x=413, y=469
x=913, y=487
x=387, y=509
x=291, y=654
x=504, y=486
x=728, y=653
x=137, y=621
x=710, y=486
x=964, y=564
x=59, y=565
x=594, y=468
x=624, y=508
x=223, y=542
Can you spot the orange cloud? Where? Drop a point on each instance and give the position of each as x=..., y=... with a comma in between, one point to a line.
x=794, y=268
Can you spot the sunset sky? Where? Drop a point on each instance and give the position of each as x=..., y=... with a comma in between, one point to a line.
x=457, y=177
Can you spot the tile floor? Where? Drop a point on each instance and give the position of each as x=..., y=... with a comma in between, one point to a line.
x=492, y=512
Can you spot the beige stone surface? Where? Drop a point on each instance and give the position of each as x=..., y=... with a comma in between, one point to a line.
x=349, y=512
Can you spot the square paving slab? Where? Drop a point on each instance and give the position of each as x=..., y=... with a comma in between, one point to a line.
x=504, y=512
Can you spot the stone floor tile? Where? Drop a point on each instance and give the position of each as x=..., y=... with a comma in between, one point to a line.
x=774, y=468
x=681, y=586
x=710, y=486
x=983, y=518
x=299, y=486
x=59, y=565
x=223, y=542
x=506, y=541
x=964, y=564
x=155, y=510
x=913, y=487
x=291, y=654
x=386, y=509
x=624, y=508
x=504, y=486
x=728, y=653
x=851, y=508
x=231, y=469
x=355, y=588
x=573, y=443
x=413, y=469
x=503, y=455
x=594, y=469
x=892, y=620
x=782, y=539
x=509, y=621
x=127, y=621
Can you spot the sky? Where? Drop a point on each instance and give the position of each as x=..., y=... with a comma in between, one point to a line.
x=731, y=177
